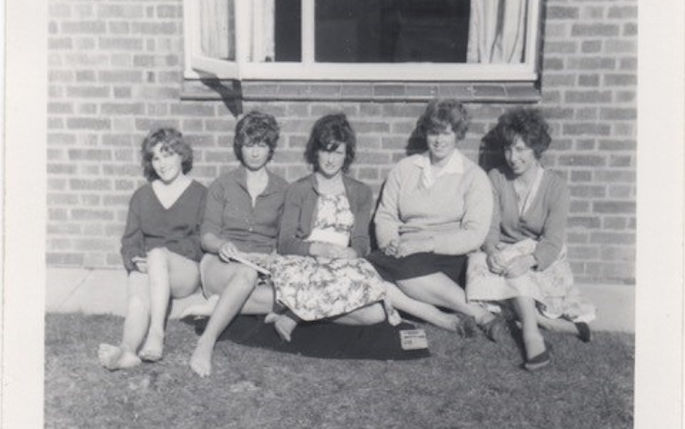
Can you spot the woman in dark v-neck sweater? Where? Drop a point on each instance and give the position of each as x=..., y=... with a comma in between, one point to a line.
x=160, y=248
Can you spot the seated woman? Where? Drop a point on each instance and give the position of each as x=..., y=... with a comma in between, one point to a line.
x=324, y=235
x=434, y=210
x=524, y=256
x=241, y=220
x=160, y=247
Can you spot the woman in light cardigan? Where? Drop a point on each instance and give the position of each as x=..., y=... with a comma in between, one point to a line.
x=524, y=255
x=434, y=210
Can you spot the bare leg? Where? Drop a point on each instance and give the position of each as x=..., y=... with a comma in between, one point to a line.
x=438, y=289
x=369, y=315
x=419, y=309
x=240, y=284
x=170, y=274
x=527, y=313
x=135, y=326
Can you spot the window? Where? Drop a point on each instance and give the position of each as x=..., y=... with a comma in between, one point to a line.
x=391, y=40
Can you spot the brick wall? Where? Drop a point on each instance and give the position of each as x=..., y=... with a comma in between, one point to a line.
x=115, y=73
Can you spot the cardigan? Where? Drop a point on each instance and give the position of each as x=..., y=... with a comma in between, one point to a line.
x=150, y=225
x=299, y=215
x=454, y=211
x=231, y=216
x=543, y=221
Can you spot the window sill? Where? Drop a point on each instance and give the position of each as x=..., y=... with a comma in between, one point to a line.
x=278, y=90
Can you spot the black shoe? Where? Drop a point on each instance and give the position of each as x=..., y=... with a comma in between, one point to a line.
x=584, y=332
x=495, y=329
x=538, y=361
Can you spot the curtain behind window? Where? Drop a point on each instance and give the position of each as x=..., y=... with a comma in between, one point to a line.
x=496, y=31
x=217, y=35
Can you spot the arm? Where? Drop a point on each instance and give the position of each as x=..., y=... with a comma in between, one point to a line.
x=210, y=230
x=554, y=229
x=476, y=221
x=132, y=242
x=493, y=236
x=386, y=220
x=359, y=241
x=288, y=242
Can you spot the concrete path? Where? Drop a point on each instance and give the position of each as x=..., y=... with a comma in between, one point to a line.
x=104, y=291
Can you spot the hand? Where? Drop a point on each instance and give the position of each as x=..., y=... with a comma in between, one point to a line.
x=410, y=246
x=495, y=262
x=519, y=265
x=228, y=251
x=391, y=248
x=140, y=263
x=348, y=253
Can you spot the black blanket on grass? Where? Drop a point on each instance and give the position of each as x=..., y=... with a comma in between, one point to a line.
x=322, y=339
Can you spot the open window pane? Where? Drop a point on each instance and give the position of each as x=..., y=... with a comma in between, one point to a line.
x=387, y=31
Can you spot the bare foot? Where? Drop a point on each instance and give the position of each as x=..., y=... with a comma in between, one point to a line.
x=113, y=357
x=534, y=346
x=204, y=309
x=284, y=326
x=153, y=347
x=201, y=359
x=271, y=317
x=447, y=321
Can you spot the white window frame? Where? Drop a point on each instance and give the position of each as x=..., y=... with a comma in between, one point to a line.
x=198, y=65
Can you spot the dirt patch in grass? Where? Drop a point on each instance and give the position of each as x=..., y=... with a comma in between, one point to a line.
x=466, y=383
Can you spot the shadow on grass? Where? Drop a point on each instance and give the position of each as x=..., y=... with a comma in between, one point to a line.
x=465, y=383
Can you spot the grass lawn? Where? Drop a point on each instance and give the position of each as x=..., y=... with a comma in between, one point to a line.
x=465, y=383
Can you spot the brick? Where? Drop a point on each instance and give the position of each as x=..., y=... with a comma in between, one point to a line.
x=154, y=28
x=155, y=92
x=121, y=170
x=90, y=184
x=57, y=259
x=624, y=129
x=120, y=11
x=621, y=191
x=87, y=108
x=90, y=200
x=587, y=128
x=168, y=11
x=615, y=223
x=581, y=176
x=592, y=12
x=381, y=90
x=91, y=214
x=591, y=63
x=620, y=46
x=60, y=139
x=630, y=29
x=583, y=222
x=148, y=124
x=83, y=27
x=83, y=10
x=618, y=253
x=55, y=123
x=157, y=109
x=591, y=46
x=586, y=191
x=620, y=79
x=612, y=238
x=61, y=169
x=617, y=145
x=619, y=271
x=194, y=125
x=118, y=27
x=622, y=12
x=57, y=214
x=120, y=43
x=85, y=76
x=370, y=109
x=59, y=10
x=88, y=91
x=602, y=30
x=583, y=252
x=561, y=47
x=56, y=108
x=625, y=96
x=620, y=161
x=84, y=43
x=88, y=124
x=558, y=80
x=60, y=76
x=627, y=207
x=122, y=108
x=86, y=60
x=587, y=114
x=64, y=228
x=61, y=199
x=559, y=12
x=590, y=80
x=617, y=113
x=89, y=170
x=93, y=244
x=318, y=110
x=130, y=76
x=121, y=60
x=590, y=96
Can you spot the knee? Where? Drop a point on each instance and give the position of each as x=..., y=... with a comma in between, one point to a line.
x=247, y=275
x=371, y=314
x=158, y=255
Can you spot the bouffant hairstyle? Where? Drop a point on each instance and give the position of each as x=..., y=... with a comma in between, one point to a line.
x=254, y=128
x=328, y=133
x=526, y=123
x=441, y=114
x=172, y=141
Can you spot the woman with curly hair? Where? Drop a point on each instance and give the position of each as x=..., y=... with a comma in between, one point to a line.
x=323, y=238
x=239, y=230
x=524, y=255
x=434, y=210
x=160, y=247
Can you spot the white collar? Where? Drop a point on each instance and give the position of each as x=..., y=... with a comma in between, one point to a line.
x=455, y=165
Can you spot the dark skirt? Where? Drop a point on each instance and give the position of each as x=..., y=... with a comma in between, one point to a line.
x=418, y=265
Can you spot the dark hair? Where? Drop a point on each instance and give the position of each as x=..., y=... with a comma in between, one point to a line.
x=327, y=134
x=255, y=127
x=441, y=114
x=171, y=141
x=526, y=123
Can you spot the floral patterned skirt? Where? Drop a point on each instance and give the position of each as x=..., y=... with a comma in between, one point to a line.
x=552, y=288
x=316, y=287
